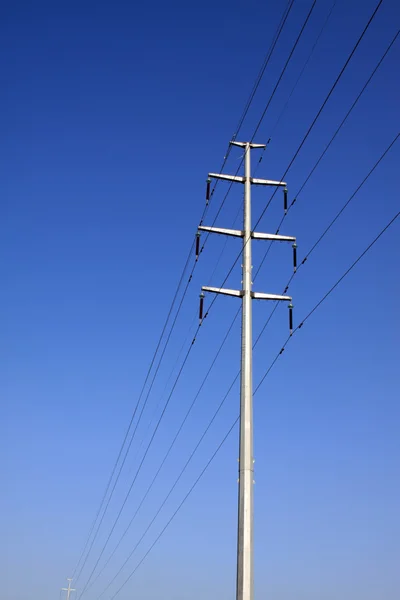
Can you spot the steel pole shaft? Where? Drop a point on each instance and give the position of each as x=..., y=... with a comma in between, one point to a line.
x=245, y=568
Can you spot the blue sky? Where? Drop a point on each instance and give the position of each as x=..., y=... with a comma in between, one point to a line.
x=113, y=114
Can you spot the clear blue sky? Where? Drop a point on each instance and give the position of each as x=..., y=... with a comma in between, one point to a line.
x=112, y=115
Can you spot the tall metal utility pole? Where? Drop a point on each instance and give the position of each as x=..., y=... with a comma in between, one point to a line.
x=245, y=567
x=69, y=589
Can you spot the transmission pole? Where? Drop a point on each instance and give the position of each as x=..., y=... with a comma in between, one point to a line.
x=245, y=551
x=69, y=589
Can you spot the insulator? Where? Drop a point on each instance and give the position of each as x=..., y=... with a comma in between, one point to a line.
x=291, y=318
x=201, y=307
x=208, y=189
x=197, y=245
x=294, y=257
x=285, y=200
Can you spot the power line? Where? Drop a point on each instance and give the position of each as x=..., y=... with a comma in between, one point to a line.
x=354, y=104
x=146, y=451
x=132, y=420
x=362, y=183
x=257, y=388
x=286, y=104
x=176, y=511
x=250, y=99
x=263, y=115
x=298, y=150
x=328, y=293
x=267, y=58
x=348, y=113
x=142, y=461
x=325, y=101
x=284, y=68
x=323, y=234
x=191, y=274
x=336, y=83
x=176, y=481
x=283, y=110
x=256, y=342
x=314, y=122
x=127, y=431
x=259, y=78
x=359, y=187
x=238, y=127
x=335, y=218
x=310, y=127
x=303, y=69
x=177, y=361
x=171, y=446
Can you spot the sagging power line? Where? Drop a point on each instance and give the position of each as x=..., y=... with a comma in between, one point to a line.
x=163, y=332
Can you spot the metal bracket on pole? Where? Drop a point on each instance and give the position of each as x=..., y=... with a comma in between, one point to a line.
x=239, y=179
x=244, y=144
x=221, y=231
x=273, y=237
x=266, y=182
x=240, y=293
x=255, y=235
x=215, y=290
x=261, y=296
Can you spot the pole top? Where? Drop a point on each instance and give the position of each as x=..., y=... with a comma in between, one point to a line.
x=244, y=144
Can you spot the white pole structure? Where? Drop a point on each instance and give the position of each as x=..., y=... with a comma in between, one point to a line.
x=245, y=566
x=69, y=589
x=245, y=550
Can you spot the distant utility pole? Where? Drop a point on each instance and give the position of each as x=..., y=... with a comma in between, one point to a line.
x=245, y=568
x=69, y=589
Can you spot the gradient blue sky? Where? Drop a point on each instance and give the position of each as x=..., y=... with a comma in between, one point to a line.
x=112, y=115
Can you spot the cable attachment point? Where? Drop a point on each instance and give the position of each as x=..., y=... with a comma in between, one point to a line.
x=285, y=191
x=202, y=296
x=208, y=190
x=291, y=318
x=197, y=245
x=294, y=246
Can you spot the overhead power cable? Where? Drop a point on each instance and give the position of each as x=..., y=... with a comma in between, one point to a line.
x=79, y=565
x=264, y=65
x=328, y=293
x=142, y=461
x=280, y=117
x=250, y=99
x=185, y=418
x=262, y=117
x=354, y=104
x=284, y=69
x=309, y=130
x=254, y=345
x=325, y=23
x=311, y=312
x=338, y=78
x=323, y=234
x=176, y=511
x=343, y=69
